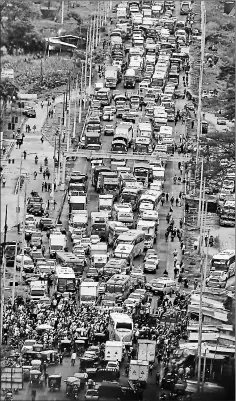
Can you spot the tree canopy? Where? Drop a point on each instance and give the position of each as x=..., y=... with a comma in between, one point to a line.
x=7, y=90
x=18, y=31
x=220, y=146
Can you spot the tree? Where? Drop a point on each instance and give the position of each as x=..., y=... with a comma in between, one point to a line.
x=222, y=145
x=227, y=73
x=14, y=10
x=8, y=91
x=22, y=35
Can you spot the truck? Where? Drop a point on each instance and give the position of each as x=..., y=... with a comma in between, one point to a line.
x=57, y=242
x=111, y=77
x=138, y=371
x=111, y=185
x=99, y=224
x=77, y=203
x=38, y=289
x=121, y=12
x=98, y=255
x=146, y=350
x=89, y=292
x=127, y=218
x=130, y=78
x=113, y=351
x=78, y=222
x=125, y=128
x=93, y=140
x=149, y=227
x=105, y=202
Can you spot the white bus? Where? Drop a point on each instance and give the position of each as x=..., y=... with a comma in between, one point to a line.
x=224, y=261
x=135, y=238
x=121, y=328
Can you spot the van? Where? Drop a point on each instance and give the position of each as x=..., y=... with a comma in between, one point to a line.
x=164, y=285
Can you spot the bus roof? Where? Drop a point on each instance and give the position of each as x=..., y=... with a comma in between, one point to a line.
x=121, y=317
x=117, y=278
x=227, y=253
x=67, y=256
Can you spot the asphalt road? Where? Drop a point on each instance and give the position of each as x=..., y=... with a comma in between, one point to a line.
x=164, y=249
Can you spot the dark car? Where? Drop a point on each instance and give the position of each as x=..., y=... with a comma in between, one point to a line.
x=92, y=273
x=46, y=224
x=30, y=113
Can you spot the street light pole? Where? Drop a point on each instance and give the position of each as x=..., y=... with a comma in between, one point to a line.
x=86, y=67
x=81, y=92
x=97, y=27
x=75, y=108
x=23, y=233
x=17, y=225
x=200, y=196
x=59, y=152
x=4, y=278
x=68, y=128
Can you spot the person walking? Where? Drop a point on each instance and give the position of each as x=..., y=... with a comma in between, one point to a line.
x=43, y=250
x=167, y=197
x=42, y=139
x=3, y=182
x=46, y=378
x=48, y=174
x=46, y=186
x=177, y=201
x=35, y=175
x=33, y=395
x=73, y=358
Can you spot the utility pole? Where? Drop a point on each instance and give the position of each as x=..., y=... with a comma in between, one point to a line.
x=200, y=195
x=23, y=233
x=75, y=109
x=90, y=62
x=199, y=111
x=63, y=171
x=17, y=225
x=59, y=153
x=53, y=170
x=62, y=12
x=4, y=278
x=94, y=31
x=81, y=92
x=97, y=27
x=206, y=260
x=68, y=128
x=202, y=216
x=86, y=67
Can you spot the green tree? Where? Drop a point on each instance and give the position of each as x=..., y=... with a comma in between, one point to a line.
x=227, y=73
x=222, y=145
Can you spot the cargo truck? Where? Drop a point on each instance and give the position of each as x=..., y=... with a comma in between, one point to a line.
x=57, y=242
x=98, y=255
x=130, y=78
x=111, y=77
x=89, y=292
x=113, y=351
x=99, y=224
x=105, y=203
x=93, y=140
x=77, y=203
x=138, y=371
x=146, y=350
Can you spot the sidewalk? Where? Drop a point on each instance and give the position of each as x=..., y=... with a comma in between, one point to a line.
x=32, y=145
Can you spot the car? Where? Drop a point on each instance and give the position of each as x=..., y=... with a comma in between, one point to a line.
x=29, y=218
x=94, y=239
x=92, y=273
x=28, y=264
x=162, y=285
x=86, y=244
x=215, y=282
x=150, y=266
x=36, y=239
x=91, y=395
x=31, y=113
x=135, y=297
x=113, y=365
x=129, y=116
x=150, y=252
x=29, y=230
x=102, y=288
x=142, y=292
x=221, y=275
x=185, y=7
x=46, y=224
x=154, y=258
x=221, y=121
x=109, y=129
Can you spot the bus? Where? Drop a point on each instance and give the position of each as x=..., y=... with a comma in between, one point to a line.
x=65, y=279
x=114, y=229
x=68, y=259
x=224, y=261
x=119, y=285
x=121, y=328
x=104, y=96
x=227, y=214
x=135, y=238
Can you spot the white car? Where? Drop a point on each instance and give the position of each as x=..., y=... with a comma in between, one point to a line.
x=113, y=365
x=29, y=219
x=150, y=266
x=94, y=239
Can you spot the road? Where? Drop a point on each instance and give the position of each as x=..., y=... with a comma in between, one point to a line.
x=163, y=248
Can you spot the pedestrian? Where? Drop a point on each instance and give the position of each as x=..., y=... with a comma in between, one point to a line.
x=42, y=139
x=195, y=284
x=175, y=261
x=177, y=201
x=24, y=154
x=150, y=368
x=42, y=186
x=33, y=395
x=43, y=250
x=186, y=207
x=46, y=186
x=167, y=197
x=176, y=271
x=206, y=240
x=46, y=378
x=35, y=175
x=192, y=124
x=179, y=165
x=48, y=174
x=172, y=200
x=54, y=204
x=166, y=235
x=3, y=182
x=157, y=378
x=42, y=104
x=48, y=203
x=183, y=249
x=49, y=186
x=162, y=200
x=73, y=358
